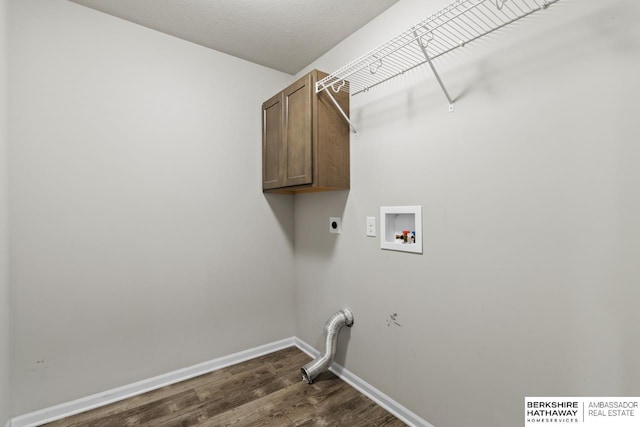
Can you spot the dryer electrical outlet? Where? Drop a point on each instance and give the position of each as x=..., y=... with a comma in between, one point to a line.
x=334, y=225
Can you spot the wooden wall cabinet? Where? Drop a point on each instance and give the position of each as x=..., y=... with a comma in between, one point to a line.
x=305, y=140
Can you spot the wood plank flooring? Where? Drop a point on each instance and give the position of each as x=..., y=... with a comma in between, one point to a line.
x=266, y=391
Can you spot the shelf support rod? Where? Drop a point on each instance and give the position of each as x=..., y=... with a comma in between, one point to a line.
x=328, y=92
x=433, y=68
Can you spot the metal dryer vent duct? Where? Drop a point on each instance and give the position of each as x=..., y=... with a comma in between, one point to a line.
x=331, y=330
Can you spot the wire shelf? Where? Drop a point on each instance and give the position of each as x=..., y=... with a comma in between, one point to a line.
x=452, y=27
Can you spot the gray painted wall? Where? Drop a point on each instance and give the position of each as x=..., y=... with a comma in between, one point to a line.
x=141, y=242
x=123, y=266
x=4, y=244
x=529, y=281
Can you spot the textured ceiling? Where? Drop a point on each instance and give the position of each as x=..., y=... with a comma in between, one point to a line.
x=285, y=35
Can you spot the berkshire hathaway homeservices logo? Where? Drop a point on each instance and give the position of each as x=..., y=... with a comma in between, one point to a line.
x=582, y=411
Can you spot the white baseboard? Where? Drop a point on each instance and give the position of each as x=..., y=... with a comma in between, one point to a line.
x=101, y=399
x=105, y=398
x=402, y=413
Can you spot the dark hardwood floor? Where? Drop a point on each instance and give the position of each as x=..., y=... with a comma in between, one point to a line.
x=266, y=391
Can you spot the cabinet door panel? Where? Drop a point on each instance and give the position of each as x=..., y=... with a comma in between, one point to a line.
x=272, y=147
x=298, y=133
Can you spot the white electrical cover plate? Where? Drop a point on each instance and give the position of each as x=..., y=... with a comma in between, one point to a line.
x=334, y=225
x=371, y=226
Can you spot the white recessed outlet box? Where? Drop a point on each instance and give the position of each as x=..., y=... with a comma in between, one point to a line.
x=334, y=225
x=401, y=228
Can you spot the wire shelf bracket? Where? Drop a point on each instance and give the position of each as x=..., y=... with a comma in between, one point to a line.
x=423, y=47
x=455, y=26
x=344, y=115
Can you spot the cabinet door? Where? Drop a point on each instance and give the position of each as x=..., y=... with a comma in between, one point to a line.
x=298, y=132
x=273, y=153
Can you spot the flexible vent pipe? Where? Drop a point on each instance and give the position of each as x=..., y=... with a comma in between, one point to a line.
x=331, y=330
